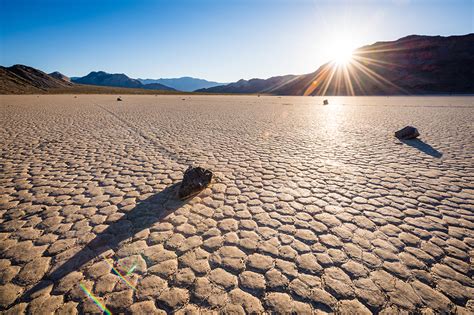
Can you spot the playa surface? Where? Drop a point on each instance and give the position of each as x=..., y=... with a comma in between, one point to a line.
x=313, y=208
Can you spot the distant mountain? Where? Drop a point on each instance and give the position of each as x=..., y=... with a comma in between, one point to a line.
x=20, y=79
x=102, y=78
x=252, y=86
x=410, y=65
x=157, y=86
x=23, y=79
x=186, y=84
x=58, y=75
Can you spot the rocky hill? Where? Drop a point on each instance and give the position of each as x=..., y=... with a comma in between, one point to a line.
x=187, y=84
x=20, y=79
x=58, y=75
x=252, y=86
x=117, y=80
x=410, y=65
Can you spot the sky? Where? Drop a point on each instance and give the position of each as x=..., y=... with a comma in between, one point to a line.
x=217, y=40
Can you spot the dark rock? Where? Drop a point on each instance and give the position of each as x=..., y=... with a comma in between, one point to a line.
x=407, y=133
x=325, y=102
x=119, y=99
x=195, y=179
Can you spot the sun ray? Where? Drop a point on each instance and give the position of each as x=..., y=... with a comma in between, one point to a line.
x=276, y=87
x=376, y=77
x=354, y=72
x=357, y=79
x=379, y=50
x=375, y=61
x=347, y=79
x=328, y=81
x=317, y=80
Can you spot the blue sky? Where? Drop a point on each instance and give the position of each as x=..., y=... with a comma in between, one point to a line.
x=216, y=40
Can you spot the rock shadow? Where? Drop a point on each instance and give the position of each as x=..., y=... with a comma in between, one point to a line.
x=423, y=147
x=144, y=215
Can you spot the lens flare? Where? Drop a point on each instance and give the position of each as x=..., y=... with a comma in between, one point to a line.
x=353, y=72
x=95, y=300
x=120, y=275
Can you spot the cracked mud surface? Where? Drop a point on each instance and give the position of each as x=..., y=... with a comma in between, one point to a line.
x=314, y=208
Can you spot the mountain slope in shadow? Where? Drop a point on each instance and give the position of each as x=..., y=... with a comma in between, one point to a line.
x=20, y=78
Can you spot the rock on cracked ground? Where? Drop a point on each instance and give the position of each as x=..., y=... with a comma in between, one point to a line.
x=314, y=208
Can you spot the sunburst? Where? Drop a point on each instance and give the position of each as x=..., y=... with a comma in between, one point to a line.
x=348, y=72
x=342, y=54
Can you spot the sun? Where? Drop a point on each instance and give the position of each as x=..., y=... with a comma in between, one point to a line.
x=343, y=57
x=342, y=53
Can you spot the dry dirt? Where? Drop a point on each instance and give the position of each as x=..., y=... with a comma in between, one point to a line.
x=313, y=208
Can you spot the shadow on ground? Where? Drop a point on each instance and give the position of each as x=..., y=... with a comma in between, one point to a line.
x=144, y=215
x=423, y=147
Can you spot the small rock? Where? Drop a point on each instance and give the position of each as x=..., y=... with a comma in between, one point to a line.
x=195, y=179
x=325, y=102
x=119, y=99
x=407, y=133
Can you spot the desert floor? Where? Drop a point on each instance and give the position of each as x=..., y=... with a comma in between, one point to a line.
x=313, y=208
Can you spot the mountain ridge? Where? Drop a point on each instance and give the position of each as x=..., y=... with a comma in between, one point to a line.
x=254, y=85
x=187, y=84
x=414, y=64
x=58, y=75
x=102, y=78
x=20, y=78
